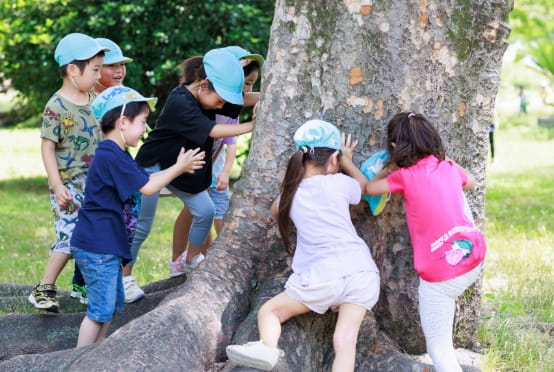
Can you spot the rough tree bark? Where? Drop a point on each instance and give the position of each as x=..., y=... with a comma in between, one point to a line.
x=355, y=63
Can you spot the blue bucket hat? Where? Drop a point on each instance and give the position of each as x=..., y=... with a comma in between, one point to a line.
x=241, y=53
x=370, y=168
x=115, y=55
x=318, y=133
x=224, y=71
x=77, y=47
x=118, y=96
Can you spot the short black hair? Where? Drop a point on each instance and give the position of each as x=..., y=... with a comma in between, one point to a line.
x=132, y=110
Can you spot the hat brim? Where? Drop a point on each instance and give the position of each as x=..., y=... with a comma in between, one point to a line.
x=231, y=97
x=255, y=57
x=113, y=61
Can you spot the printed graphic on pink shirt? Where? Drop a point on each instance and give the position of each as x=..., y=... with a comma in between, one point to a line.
x=460, y=249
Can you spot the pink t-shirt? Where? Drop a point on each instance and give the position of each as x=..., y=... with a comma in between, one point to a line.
x=327, y=245
x=445, y=241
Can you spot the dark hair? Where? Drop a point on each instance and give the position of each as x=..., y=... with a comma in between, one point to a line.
x=80, y=63
x=251, y=67
x=414, y=138
x=193, y=70
x=293, y=177
x=131, y=110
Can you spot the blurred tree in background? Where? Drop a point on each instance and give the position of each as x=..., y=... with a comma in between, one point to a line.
x=533, y=29
x=157, y=34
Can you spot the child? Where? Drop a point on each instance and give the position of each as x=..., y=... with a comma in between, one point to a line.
x=188, y=119
x=225, y=156
x=225, y=149
x=69, y=137
x=114, y=69
x=100, y=241
x=332, y=266
x=448, y=249
x=112, y=74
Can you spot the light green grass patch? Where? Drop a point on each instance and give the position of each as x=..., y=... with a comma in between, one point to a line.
x=517, y=324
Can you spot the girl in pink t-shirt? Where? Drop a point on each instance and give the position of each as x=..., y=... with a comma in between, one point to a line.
x=448, y=249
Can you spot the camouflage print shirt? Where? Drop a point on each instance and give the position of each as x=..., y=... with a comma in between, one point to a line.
x=75, y=131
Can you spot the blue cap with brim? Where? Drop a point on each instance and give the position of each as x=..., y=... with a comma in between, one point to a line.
x=115, y=55
x=241, y=53
x=118, y=96
x=77, y=47
x=225, y=73
x=370, y=168
x=317, y=133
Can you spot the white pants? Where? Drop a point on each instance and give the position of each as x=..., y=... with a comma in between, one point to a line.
x=437, y=304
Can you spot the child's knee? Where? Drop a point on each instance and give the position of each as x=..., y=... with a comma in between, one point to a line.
x=345, y=339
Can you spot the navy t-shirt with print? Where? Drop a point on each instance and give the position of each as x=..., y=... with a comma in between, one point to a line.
x=112, y=179
x=182, y=123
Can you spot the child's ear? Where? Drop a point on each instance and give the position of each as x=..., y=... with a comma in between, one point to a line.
x=121, y=122
x=204, y=84
x=334, y=159
x=73, y=69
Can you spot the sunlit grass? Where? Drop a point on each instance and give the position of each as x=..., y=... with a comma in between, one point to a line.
x=517, y=325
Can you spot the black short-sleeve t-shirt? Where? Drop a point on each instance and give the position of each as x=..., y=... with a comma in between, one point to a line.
x=182, y=123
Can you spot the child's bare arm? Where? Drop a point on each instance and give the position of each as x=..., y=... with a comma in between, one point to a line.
x=226, y=130
x=347, y=165
x=223, y=178
x=378, y=185
x=47, y=150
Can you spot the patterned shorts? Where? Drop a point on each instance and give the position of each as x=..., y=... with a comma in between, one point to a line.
x=65, y=219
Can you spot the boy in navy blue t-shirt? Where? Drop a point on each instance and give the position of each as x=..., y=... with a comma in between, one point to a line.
x=100, y=243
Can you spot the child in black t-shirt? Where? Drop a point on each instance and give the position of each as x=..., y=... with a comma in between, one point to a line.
x=188, y=120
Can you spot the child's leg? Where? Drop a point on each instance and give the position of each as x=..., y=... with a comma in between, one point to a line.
x=202, y=209
x=103, y=275
x=77, y=276
x=92, y=331
x=148, y=206
x=55, y=265
x=346, y=336
x=181, y=231
x=436, y=310
x=221, y=203
x=275, y=312
x=264, y=354
x=218, y=223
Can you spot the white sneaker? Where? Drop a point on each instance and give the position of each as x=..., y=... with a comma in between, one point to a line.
x=132, y=291
x=254, y=354
x=196, y=260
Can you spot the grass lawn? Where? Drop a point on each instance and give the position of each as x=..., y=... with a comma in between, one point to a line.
x=517, y=326
x=518, y=305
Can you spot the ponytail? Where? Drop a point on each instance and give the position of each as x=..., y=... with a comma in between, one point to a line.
x=293, y=177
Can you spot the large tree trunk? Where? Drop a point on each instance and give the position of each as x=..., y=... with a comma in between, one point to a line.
x=355, y=63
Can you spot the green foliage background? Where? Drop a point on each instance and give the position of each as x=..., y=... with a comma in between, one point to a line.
x=157, y=34
x=533, y=32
